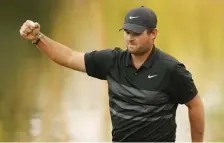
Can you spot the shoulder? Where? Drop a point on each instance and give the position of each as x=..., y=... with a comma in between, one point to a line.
x=172, y=65
x=115, y=51
x=119, y=53
x=167, y=61
x=99, y=62
x=104, y=53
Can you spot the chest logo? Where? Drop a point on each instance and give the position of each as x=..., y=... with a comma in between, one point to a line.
x=151, y=76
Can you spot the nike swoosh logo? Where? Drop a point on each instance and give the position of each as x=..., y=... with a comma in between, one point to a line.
x=132, y=17
x=151, y=76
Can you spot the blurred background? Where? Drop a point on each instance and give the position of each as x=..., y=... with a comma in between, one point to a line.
x=42, y=101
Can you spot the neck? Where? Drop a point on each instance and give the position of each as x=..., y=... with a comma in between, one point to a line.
x=138, y=60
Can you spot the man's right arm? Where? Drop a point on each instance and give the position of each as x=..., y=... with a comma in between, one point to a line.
x=62, y=54
x=57, y=52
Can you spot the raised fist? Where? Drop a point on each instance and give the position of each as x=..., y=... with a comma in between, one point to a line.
x=30, y=30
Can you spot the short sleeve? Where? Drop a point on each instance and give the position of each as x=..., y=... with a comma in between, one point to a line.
x=97, y=63
x=182, y=86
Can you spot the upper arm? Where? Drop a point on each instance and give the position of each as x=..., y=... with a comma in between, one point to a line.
x=195, y=102
x=182, y=86
x=76, y=61
x=97, y=63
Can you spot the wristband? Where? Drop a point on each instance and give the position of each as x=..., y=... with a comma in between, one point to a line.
x=36, y=41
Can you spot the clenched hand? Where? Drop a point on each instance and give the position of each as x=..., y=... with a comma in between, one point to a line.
x=30, y=30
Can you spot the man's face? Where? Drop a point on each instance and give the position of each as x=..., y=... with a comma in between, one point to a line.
x=139, y=43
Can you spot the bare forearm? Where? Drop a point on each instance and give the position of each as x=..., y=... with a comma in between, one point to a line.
x=61, y=54
x=54, y=50
x=196, y=117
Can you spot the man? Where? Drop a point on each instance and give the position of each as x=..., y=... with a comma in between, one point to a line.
x=145, y=84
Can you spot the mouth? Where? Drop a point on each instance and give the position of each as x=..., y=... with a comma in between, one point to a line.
x=131, y=44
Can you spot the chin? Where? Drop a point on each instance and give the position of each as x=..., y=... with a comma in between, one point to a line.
x=132, y=51
x=135, y=52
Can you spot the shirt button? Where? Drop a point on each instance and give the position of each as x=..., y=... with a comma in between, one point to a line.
x=136, y=73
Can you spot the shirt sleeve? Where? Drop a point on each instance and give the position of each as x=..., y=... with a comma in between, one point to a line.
x=97, y=63
x=182, y=86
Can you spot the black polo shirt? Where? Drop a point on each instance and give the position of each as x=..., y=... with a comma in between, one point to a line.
x=142, y=102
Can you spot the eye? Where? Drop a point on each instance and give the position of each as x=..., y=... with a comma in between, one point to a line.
x=136, y=34
x=132, y=33
x=127, y=32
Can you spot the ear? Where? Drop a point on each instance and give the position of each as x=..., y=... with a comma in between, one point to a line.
x=154, y=33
